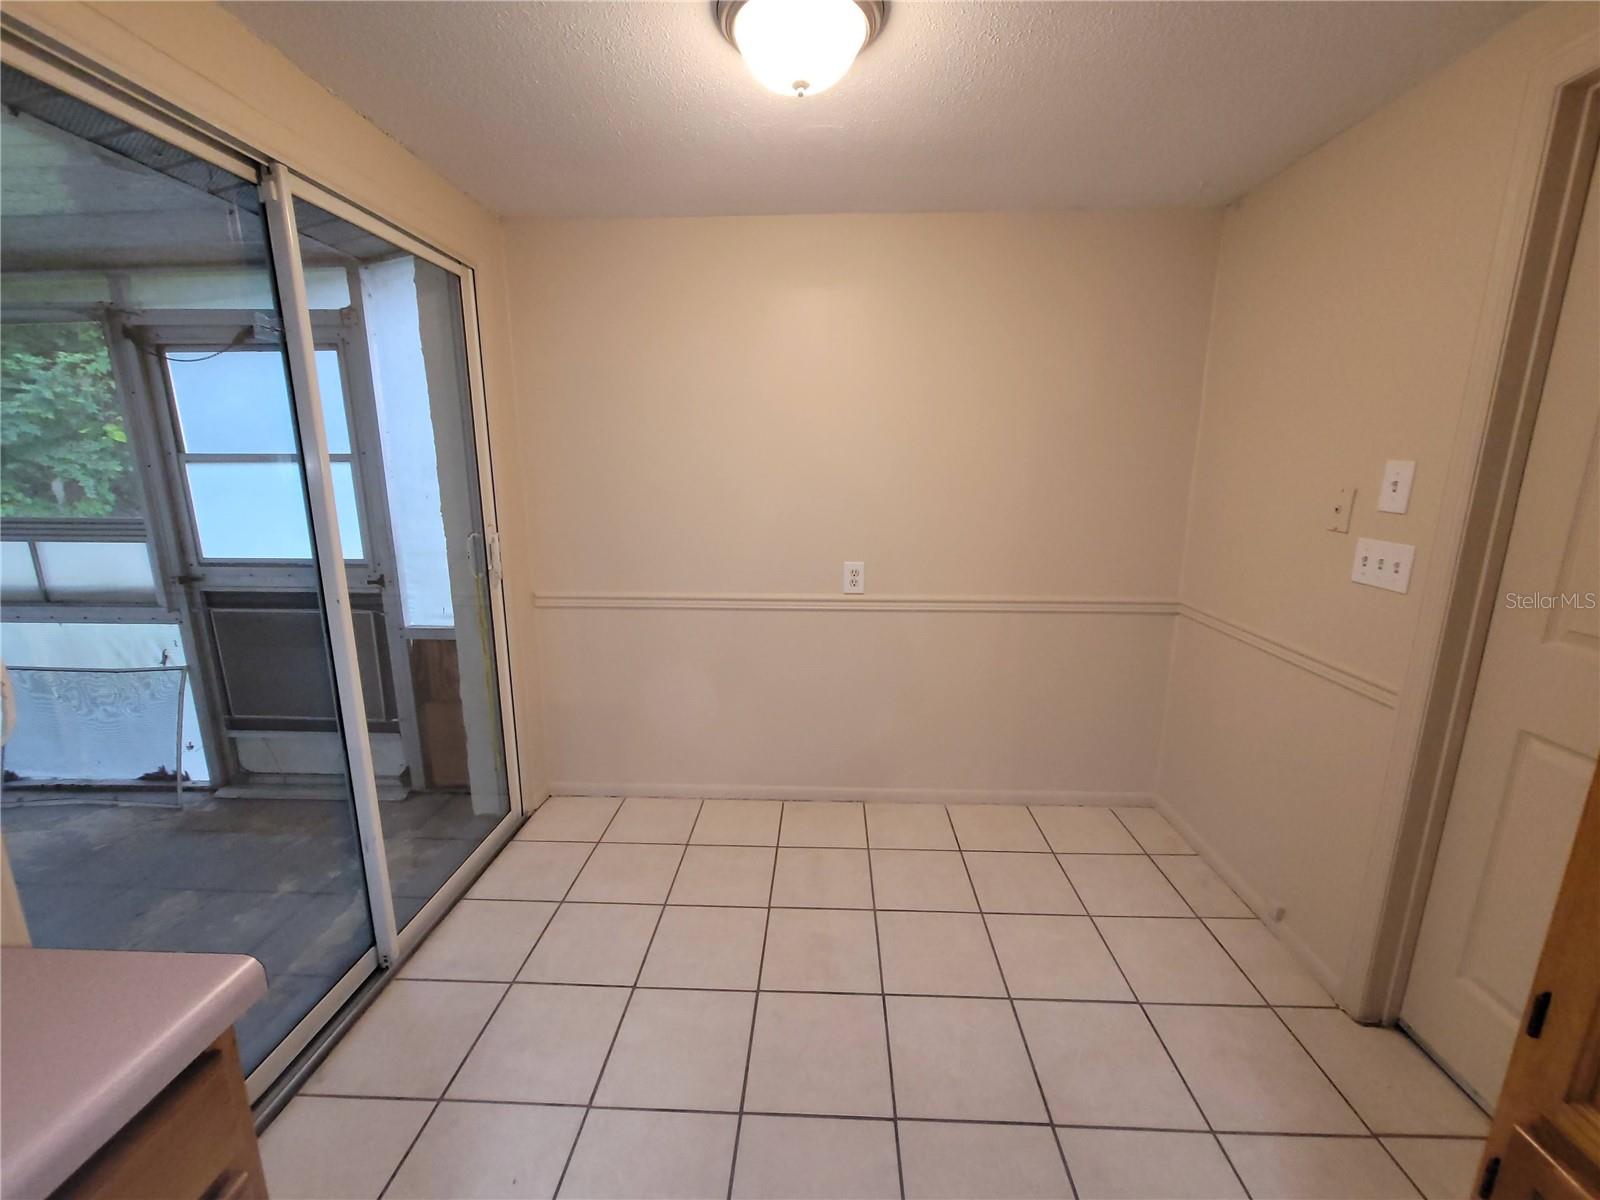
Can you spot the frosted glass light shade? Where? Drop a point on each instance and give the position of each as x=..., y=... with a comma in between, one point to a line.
x=799, y=47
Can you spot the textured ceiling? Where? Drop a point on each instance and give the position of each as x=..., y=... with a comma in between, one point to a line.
x=629, y=108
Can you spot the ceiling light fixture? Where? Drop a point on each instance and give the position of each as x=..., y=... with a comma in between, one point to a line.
x=799, y=47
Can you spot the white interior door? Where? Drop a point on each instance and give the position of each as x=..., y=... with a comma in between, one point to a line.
x=1534, y=729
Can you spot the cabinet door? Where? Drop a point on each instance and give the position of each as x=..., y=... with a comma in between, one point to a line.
x=1545, y=1140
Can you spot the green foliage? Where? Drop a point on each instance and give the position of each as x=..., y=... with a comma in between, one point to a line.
x=63, y=447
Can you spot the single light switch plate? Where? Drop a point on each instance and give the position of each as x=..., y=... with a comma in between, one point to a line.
x=1383, y=564
x=1395, y=494
x=855, y=577
x=1339, y=519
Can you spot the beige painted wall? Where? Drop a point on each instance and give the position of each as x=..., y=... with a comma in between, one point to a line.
x=200, y=59
x=721, y=411
x=1349, y=298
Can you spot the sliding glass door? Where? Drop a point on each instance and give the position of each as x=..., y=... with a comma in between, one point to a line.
x=250, y=575
x=148, y=801
x=430, y=567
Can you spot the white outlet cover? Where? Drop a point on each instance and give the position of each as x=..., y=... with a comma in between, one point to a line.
x=1339, y=517
x=1394, y=496
x=1383, y=564
x=855, y=577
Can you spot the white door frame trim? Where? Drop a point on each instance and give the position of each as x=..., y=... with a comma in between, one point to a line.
x=1551, y=160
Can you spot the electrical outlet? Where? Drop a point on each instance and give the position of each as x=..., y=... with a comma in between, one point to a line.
x=1383, y=564
x=855, y=577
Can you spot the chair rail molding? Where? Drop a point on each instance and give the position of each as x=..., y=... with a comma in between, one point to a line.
x=1332, y=672
x=1148, y=606
x=825, y=602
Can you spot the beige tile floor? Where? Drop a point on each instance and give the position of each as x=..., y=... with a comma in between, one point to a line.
x=670, y=998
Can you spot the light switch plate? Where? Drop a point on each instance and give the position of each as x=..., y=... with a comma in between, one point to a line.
x=1339, y=519
x=1383, y=564
x=1395, y=494
x=855, y=577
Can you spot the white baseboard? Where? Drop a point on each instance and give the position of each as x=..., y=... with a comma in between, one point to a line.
x=1258, y=904
x=760, y=791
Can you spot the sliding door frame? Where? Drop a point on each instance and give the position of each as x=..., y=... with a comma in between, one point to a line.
x=300, y=348
x=20, y=49
x=281, y=187
x=299, y=1051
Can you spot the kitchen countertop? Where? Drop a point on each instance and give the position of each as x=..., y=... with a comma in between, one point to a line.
x=90, y=1037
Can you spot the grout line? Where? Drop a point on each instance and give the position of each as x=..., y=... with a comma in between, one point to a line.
x=798, y=991
x=1274, y=1009
x=798, y=846
x=1369, y=1135
x=828, y=1116
x=1306, y=1050
x=750, y=1042
x=492, y=1013
x=883, y=996
x=1062, y=867
x=632, y=991
x=999, y=912
x=1016, y=1016
x=1287, y=1028
x=1145, y=1011
x=1139, y=841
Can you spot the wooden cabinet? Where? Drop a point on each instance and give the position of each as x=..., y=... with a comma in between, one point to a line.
x=1545, y=1141
x=195, y=1141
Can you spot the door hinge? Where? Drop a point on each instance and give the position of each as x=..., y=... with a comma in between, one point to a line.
x=1537, y=1012
x=1491, y=1171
